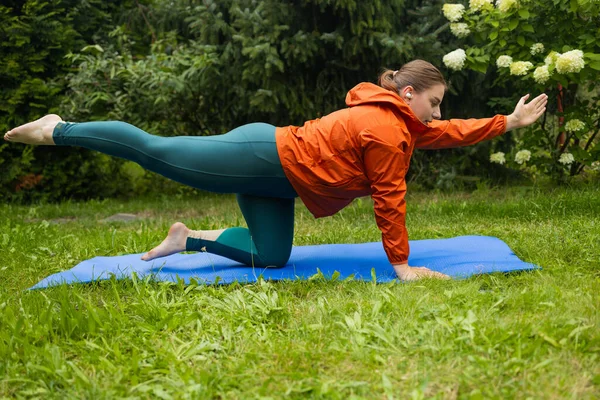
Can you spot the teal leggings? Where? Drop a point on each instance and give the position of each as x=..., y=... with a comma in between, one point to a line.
x=243, y=161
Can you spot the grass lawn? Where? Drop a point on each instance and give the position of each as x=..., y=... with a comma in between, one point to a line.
x=528, y=335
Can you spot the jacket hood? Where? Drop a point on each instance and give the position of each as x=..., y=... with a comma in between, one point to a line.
x=368, y=93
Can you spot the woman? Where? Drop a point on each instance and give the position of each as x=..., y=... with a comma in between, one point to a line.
x=361, y=150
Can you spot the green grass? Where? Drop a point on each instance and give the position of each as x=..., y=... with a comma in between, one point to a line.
x=528, y=335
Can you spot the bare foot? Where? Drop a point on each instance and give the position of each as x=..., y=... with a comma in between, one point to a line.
x=173, y=243
x=36, y=132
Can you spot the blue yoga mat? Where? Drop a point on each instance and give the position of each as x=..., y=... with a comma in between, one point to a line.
x=458, y=257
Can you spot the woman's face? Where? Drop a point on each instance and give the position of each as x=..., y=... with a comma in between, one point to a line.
x=425, y=105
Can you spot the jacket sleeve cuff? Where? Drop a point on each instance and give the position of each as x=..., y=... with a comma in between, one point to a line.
x=403, y=260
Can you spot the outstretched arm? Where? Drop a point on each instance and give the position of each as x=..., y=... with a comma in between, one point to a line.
x=465, y=132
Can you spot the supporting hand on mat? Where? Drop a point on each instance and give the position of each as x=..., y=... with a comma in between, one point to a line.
x=406, y=273
x=526, y=114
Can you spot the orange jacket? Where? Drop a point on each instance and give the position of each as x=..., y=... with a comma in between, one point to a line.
x=365, y=150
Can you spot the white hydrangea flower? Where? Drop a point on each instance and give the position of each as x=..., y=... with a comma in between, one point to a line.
x=520, y=67
x=537, y=48
x=506, y=5
x=478, y=5
x=551, y=58
x=498, y=158
x=571, y=61
x=522, y=156
x=504, y=61
x=460, y=29
x=566, y=159
x=541, y=74
x=574, y=125
x=453, y=12
x=455, y=59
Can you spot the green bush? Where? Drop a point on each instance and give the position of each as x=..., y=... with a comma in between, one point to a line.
x=242, y=61
x=36, y=37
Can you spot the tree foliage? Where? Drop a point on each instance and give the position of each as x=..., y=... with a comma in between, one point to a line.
x=35, y=37
x=239, y=61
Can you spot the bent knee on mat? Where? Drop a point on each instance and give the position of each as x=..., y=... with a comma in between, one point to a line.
x=272, y=261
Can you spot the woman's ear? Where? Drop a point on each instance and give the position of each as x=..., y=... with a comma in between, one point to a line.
x=407, y=93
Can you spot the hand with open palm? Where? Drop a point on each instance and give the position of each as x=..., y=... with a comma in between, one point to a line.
x=527, y=114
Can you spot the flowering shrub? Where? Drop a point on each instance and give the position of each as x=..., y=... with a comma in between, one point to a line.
x=566, y=159
x=455, y=59
x=541, y=74
x=520, y=67
x=453, y=12
x=460, y=29
x=574, y=125
x=498, y=158
x=504, y=61
x=505, y=6
x=537, y=46
x=571, y=61
x=478, y=5
x=522, y=156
